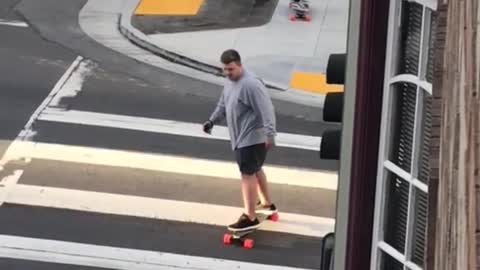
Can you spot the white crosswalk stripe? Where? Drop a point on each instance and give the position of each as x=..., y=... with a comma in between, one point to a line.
x=165, y=163
x=167, y=126
x=114, y=258
x=106, y=203
x=13, y=23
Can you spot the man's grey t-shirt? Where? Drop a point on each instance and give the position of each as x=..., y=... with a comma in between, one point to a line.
x=248, y=110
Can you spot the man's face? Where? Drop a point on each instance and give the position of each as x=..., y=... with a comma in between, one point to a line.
x=232, y=70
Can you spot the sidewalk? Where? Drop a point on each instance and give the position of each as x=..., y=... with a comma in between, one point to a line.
x=286, y=55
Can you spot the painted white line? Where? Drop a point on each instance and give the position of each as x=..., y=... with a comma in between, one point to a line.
x=73, y=85
x=167, y=126
x=27, y=131
x=128, y=205
x=7, y=184
x=13, y=23
x=113, y=257
x=167, y=163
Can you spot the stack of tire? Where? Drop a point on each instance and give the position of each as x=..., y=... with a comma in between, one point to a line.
x=333, y=108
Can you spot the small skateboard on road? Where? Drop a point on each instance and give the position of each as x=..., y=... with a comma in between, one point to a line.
x=239, y=236
x=299, y=10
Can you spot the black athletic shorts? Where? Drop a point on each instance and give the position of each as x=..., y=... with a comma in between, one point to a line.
x=250, y=159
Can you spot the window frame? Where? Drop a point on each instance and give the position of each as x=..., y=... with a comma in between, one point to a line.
x=423, y=88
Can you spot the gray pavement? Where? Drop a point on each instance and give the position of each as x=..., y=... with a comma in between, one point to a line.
x=164, y=185
x=17, y=264
x=119, y=85
x=109, y=93
x=6, y=10
x=274, y=50
x=99, y=19
x=29, y=69
x=158, y=235
x=213, y=14
x=121, y=139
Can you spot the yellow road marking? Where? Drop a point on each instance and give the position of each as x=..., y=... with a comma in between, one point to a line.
x=313, y=82
x=168, y=7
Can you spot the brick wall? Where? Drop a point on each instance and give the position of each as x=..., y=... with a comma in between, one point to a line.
x=454, y=217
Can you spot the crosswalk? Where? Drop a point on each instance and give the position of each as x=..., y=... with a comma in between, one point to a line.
x=14, y=23
x=115, y=258
x=191, y=199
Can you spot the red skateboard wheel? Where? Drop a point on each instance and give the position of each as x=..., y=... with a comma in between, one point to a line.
x=227, y=239
x=274, y=217
x=248, y=243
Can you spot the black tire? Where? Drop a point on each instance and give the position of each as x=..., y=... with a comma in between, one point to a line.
x=333, y=107
x=330, y=146
x=328, y=243
x=336, y=68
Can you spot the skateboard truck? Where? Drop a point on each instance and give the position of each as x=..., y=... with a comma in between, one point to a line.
x=239, y=236
x=300, y=16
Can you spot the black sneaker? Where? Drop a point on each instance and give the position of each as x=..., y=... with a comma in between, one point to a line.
x=266, y=209
x=244, y=224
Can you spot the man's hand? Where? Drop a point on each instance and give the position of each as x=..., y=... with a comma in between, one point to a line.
x=207, y=127
x=269, y=144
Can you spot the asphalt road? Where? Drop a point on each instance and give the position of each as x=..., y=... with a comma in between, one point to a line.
x=16, y=264
x=29, y=69
x=34, y=61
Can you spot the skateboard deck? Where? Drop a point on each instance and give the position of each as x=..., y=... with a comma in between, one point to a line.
x=303, y=16
x=239, y=236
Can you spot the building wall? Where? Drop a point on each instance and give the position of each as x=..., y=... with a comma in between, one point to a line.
x=439, y=44
x=454, y=239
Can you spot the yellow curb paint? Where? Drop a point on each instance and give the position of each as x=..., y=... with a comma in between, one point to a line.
x=168, y=7
x=313, y=82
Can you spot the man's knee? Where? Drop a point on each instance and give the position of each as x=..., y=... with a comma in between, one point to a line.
x=249, y=176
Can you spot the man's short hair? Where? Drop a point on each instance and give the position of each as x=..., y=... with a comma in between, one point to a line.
x=229, y=56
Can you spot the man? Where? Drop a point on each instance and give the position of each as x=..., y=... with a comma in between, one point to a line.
x=249, y=113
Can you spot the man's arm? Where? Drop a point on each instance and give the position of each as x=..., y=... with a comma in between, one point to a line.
x=219, y=113
x=258, y=97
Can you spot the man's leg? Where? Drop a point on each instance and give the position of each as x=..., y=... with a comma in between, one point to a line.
x=249, y=192
x=263, y=188
x=246, y=162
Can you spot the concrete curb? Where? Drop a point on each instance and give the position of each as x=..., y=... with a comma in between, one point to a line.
x=138, y=38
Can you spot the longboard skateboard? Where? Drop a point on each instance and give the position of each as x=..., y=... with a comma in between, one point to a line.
x=298, y=13
x=239, y=236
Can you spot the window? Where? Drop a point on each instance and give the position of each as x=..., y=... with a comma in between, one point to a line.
x=399, y=236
